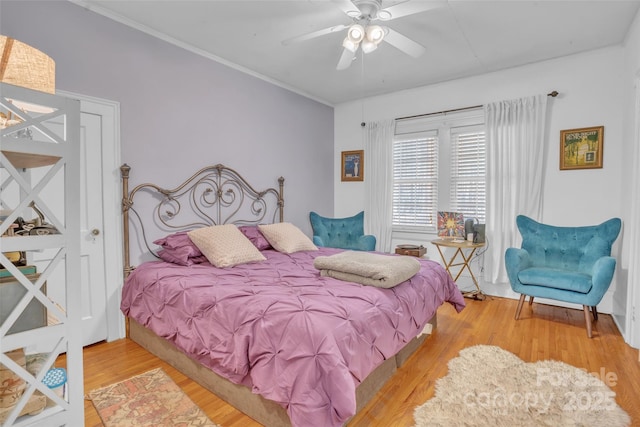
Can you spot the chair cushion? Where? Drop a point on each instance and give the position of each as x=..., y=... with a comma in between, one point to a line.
x=567, y=248
x=556, y=279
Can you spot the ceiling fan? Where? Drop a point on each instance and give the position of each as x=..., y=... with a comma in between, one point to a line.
x=365, y=34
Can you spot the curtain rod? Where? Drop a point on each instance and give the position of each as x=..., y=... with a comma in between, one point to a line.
x=552, y=94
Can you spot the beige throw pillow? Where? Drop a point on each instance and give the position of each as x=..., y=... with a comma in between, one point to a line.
x=286, y=237
x=225, y=245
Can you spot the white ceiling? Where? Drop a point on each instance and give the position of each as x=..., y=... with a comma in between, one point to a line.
x=462, y=38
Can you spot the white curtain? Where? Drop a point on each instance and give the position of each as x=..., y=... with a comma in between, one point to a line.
x=632, y=325
x=378, y=181
x=515, y=171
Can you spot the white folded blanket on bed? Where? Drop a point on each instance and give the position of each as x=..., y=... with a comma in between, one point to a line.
x=383, y=271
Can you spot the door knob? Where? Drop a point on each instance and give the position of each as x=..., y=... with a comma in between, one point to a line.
x=95, y=232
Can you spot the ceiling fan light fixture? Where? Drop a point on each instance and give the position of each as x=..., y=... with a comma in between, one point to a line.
x=375, y=33
x=348, y=44
x=356, y=33
x=384, y=15
x=368, y=46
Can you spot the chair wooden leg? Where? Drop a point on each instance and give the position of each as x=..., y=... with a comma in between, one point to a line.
x=531, y=300
x=594, y=310
x=587, y=319
x=522, y=297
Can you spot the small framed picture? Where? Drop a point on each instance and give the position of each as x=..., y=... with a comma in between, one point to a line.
x=581, y=148
x=450, y=225
x=353, y=165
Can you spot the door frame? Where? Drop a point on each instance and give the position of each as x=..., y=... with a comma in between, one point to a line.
x=109, y=111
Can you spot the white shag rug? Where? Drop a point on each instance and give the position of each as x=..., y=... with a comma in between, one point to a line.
x=488, y=386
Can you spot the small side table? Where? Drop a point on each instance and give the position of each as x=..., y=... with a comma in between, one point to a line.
x=465, y=250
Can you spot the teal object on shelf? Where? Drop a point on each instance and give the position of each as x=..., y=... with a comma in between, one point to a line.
x=55, y=379
x=24, y=269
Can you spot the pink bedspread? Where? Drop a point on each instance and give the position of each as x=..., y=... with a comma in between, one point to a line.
x=294, y=337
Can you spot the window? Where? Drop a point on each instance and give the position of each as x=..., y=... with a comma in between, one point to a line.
x=468, y=170
x=439, y=163
x=415, y=180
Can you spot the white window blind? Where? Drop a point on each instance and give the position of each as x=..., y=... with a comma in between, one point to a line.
x=415, y=181
x=468, y=171
x=439, y=164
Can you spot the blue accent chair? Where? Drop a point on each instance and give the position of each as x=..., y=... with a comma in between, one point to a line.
x=344, y=233
x=570, y=264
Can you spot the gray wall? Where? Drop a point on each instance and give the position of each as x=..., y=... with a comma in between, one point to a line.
x=181, y=111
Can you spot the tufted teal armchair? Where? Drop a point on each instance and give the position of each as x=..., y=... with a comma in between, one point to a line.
x=345, y=233
x=570, y=264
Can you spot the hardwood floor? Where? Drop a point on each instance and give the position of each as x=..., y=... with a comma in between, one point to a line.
x=543, y=332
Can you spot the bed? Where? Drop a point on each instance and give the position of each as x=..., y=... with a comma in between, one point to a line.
x=272, y=337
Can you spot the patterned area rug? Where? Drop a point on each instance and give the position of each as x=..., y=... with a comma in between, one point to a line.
x=149, y=399
x=488, y=386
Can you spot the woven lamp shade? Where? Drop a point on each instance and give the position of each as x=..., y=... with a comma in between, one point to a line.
x=25, y=66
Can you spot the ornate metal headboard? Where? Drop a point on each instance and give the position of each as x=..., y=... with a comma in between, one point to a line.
x=214, y=195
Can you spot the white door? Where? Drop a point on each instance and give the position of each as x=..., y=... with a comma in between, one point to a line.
x=94, y=295
x=96, y=216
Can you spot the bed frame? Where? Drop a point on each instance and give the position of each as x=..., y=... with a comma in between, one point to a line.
x=219, y=195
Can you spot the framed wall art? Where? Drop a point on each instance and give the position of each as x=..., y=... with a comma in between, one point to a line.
x=352, y=165
x=450, y=225
x=581, y=148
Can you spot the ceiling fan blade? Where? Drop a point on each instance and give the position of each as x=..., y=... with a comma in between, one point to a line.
x=345, y=59
x=314, y=34
x=403, y=43
x=409, y=8
x=347, y=7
